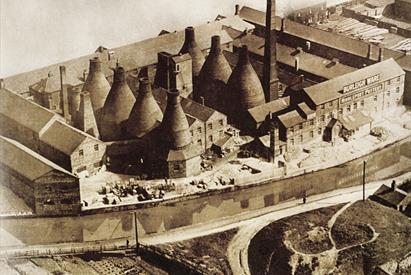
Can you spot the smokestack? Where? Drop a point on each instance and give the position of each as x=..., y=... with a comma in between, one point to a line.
x=74, y=105
x=85, y=119
x=237, y=10
x=63, y=93
x=296, y=63
x=146, y=114
x=272, y=142
x=162, y=78
x=175, y=124
x=97, y=85
x=117, y=108
x=381, y=54
x=270, y=75
x=215, y=73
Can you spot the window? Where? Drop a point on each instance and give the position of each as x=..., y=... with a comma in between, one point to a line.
x=389, y=81
x=340, y=111
x=300, y=126
x=291, y=129
x=362, y=103
x=375, y=98
x=199, y=130
x=388, y=93
x=311, y=134
x=210, y=126
x=200, y=142
x=323, y=118
x=319, y=131
x=95, y=147
x=322, y=106
x=301, y=138
x=192, y=132
x=292, y=141
x=221, y=122
x=177, y=67
x=397, y=89
x=210, y=138
x=355, y=105
x=398, y=79
x=176, y=167
x=81, y=152
x=349, y=108
x=331, y=104
x=312, y=122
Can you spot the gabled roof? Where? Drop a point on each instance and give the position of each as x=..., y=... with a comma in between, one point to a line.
x=291, y=119
x=64, y=138
x=355, y=120
x=331, y=89
x=23, y=111
x=24, y=161
x=305, y=108
x=310, y=63
x=131, y=56
x=190, y=107
x=252, y=15
x=259, y=113
x=50, y=84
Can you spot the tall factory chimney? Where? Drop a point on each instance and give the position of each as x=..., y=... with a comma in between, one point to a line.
x=270, y=74
x=146, y=114
x=63, y=93
x=214, y=76
x=97, y=85
x=117, y=108
x=85, y=119
x=190, y=46
x=175, y=124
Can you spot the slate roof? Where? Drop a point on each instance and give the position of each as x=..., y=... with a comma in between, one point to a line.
x=331, y=89
x=310, y=63
x=24, y=161
x=290, y=119
x=23, y=111
x=131, y=56
x=355, y=120
x=259, y=113
x=190, y=107
x=305, y=108
x=64, y=138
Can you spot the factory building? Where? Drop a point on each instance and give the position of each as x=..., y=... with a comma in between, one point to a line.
x=47, y=134
x=345, y=106
x=46, y=187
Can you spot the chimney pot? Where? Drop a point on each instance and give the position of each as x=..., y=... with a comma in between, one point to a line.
x=296, y=63
x=237, y=9
x=393, y=185
x=243, y=56
x=215, y=44
x=189, y=34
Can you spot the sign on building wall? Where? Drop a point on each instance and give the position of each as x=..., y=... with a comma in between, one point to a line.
x=361, y=94
x=361, y=83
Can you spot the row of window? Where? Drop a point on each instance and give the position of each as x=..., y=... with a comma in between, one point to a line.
x=209, y=127
x=301, y=137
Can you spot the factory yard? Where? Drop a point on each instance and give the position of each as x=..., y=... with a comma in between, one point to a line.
x=107, y=189
x=362, y=31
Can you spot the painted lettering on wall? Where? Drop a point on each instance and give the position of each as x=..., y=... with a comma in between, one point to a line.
x=361, y=83
x=361, y=94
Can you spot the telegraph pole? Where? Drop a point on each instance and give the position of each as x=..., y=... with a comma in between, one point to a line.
x=136, y=231
x=363, y=180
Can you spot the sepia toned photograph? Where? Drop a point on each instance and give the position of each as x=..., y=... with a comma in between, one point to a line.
x=185, y=137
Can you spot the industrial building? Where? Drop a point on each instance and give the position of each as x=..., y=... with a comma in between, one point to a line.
x=46, y=187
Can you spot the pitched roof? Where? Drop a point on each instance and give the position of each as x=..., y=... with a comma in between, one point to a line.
x=290, y=119
x=64, y=138
x=131, y=56
x=305, y=108
x=310, y=63
x=24, y=161
x=355, y=120
x=23, y=111
x=51, y=83
x=259, y=113
x=190, y=107
x=331, y=89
